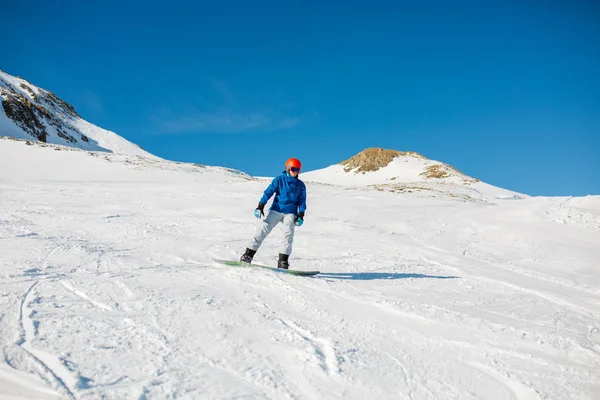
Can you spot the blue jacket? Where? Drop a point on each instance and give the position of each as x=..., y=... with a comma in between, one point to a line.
x=290, y=194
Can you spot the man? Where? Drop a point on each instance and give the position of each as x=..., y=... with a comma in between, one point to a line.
x=288, y=208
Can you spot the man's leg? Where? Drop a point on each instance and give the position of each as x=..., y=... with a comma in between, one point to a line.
x=289, y=225
x=264, y=227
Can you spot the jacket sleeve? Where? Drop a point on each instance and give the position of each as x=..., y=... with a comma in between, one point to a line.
x=302, y=202
x=270, y=190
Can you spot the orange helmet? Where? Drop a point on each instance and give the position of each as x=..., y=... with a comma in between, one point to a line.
x=293, y=163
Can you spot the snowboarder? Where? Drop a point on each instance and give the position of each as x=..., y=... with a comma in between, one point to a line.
x=288, y=208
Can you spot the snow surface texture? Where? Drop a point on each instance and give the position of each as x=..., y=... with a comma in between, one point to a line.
x=62, y=124
x=108, y=289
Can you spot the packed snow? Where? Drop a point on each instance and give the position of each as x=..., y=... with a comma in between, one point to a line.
x=108, y=288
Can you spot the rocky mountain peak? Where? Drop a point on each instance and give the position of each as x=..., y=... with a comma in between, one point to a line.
x=32, y=113
x=374, y=158
x=36, y=110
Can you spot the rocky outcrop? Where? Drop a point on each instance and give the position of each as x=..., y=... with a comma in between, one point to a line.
x=25, y=114
x=31, y=113
x=35, y=111
x=374, y=158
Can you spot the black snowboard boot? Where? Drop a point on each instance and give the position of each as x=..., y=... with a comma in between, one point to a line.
x=283, y=261
x=248, y=256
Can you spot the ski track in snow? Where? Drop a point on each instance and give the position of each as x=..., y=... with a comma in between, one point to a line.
x=109, y=291
x=51, y=364
x=515, y=388
x=322, y=347
x=85, y=297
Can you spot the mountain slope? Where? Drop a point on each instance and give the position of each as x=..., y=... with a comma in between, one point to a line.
x=28, y=160
x=406, y=172
x=108, y=289
x=29, y=112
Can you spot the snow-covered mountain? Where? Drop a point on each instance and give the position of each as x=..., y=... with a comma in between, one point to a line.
x=108, y=288
x=29, y=112
x=407, y=173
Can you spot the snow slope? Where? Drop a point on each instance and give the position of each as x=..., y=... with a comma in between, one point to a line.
x=38, y=113
x=402, y=169
x=108, y=289
x=407, y=172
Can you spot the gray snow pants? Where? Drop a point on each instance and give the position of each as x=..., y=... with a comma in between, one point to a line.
x=266, y=225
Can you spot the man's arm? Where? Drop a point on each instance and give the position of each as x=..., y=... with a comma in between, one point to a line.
x=302, y=202
x=270, y=191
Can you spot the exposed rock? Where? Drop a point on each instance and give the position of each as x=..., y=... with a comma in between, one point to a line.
x=26, y=115
x=60, y=104
x=33, y=113
x=34, y=117
x=440, y=171
x=30, y=91
x=437, y=171
x=374, y=158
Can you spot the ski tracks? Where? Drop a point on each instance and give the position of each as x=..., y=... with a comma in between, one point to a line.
x=85, y=297
x=51, y=365
x=515, y=388
x=564, y=213
x=322, y=348
x=281, y=306
x=60, y=372
x=134, y=327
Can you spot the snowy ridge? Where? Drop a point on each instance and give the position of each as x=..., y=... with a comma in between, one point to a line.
x=32, y=160
x=376, y=166
x=109, y=289
x=29, y=112
x=408, y=173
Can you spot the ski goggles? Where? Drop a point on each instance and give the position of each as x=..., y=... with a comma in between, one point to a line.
x=295, y=169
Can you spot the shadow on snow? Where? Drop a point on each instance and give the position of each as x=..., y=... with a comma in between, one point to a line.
x=367, y=276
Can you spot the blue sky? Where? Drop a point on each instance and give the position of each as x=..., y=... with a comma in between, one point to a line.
x=505, y=91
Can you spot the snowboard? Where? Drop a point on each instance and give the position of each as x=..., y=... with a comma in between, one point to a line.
x=285, y=271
